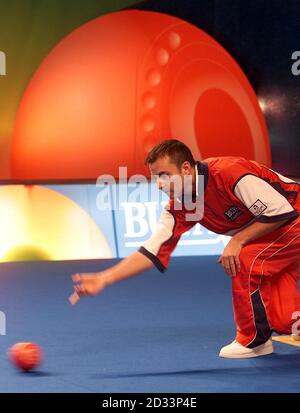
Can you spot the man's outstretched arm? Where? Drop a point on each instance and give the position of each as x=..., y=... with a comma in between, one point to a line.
x=155, y=251
x=94, y=283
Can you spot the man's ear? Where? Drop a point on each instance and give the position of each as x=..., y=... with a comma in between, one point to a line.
x=186, y=168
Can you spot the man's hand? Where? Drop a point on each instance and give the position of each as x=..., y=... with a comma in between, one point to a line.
x=88, y=283
x=93, y=283
x=230, y=257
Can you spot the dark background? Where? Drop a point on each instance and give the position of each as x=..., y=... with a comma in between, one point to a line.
x=261, y=35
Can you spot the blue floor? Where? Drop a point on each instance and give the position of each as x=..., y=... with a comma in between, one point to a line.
x=153, y=333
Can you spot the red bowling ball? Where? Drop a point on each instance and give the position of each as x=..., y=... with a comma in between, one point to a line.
x=25, y=356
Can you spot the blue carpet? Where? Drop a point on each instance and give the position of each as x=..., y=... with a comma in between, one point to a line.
x=152, y=333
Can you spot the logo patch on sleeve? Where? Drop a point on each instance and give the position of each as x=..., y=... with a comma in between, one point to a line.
x=257, y=208
x=233, y=212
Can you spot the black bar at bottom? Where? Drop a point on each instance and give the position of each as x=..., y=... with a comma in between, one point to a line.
x=135, y=401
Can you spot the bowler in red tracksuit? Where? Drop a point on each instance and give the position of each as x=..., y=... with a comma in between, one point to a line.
x=238, y=192
x=258, y=207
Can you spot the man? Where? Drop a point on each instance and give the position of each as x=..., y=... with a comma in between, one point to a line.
x=259, y=208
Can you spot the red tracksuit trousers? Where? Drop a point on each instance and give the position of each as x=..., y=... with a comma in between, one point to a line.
x=265, y=292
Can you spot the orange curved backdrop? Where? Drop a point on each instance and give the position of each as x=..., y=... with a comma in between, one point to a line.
x=121, y=83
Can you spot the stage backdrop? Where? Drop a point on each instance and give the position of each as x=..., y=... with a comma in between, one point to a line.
x=84, y=91
x=67, y=222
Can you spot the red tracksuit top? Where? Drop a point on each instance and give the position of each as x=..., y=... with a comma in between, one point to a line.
x=237, y=192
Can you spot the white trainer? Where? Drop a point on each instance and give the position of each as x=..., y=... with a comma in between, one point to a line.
x=236, y=351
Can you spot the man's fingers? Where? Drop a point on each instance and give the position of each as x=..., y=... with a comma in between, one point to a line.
x=237, y=263
x=226, y=265
x=76, y=278
x=232, y=266
x=74, y=298
x=79, y=289
x=84, y=284
x=229, y=265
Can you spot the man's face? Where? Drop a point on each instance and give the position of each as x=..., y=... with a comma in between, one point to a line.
x=172, y=180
